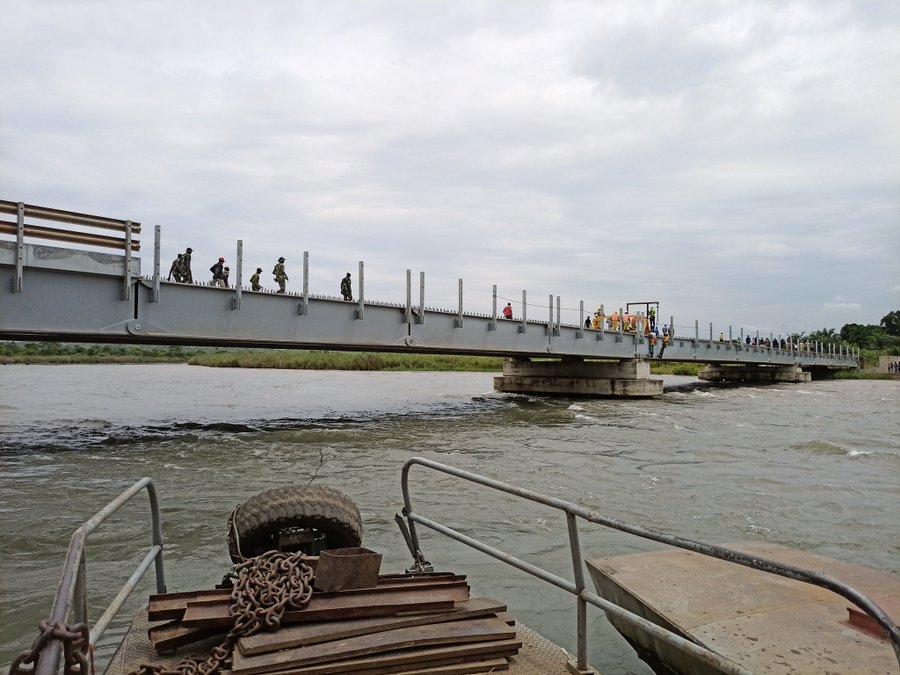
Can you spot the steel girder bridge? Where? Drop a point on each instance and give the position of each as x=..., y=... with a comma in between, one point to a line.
x=73, y=295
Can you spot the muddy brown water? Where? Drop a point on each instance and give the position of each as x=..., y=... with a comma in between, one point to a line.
x=813, y=466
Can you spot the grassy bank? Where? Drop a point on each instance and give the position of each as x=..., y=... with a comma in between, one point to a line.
x=53, y=352
x=276, y=358
x=50, y=352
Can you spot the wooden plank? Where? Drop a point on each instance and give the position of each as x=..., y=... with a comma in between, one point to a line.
x=343, y=605
x=172, y=605
x=396, y=662
x=169, y=636
x=455, y=633
x=165, y=606
x=325, y=631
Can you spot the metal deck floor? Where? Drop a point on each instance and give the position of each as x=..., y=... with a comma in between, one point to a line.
x=764, y=623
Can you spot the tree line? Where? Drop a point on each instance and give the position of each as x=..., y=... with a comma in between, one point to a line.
x=882, y=337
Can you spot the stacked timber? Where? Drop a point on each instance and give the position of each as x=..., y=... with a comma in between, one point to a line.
x=405, y=623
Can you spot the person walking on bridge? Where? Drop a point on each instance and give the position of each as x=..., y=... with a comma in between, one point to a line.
x=280, y=275
x=175, y=269
x=507, y=311
x=186, y=274
x=347, y=288
x=651, y=340
x=218, y=272
x=254, y=280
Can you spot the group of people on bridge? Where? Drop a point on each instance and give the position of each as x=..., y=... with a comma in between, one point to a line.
x=180, y=272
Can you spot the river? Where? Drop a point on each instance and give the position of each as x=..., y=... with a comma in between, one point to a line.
x=814, y=466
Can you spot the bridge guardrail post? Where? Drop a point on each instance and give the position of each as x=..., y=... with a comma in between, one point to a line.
x=671, y=327
x=20, y=248
x=710, y=332
x=239, y=267
x=550, y=318
x=696, y=329
x=558, y=311
x=421, y=318
x=408, y=318
x=459, y=318
x=524, y=327
x=304, y=306
x=362, y=280
x=126, y=287
x=493, y=324
x=157, y=235
x=602, y=323
x=579, y=334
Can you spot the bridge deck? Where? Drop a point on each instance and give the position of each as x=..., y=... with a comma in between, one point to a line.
x=87, y=297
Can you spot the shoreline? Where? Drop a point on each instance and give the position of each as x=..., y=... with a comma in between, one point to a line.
x=56, y=354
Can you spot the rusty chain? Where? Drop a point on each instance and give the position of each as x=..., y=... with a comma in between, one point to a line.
x=76, y=644
x=267, y=586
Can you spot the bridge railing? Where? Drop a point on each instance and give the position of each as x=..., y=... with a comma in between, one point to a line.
x=86, y=236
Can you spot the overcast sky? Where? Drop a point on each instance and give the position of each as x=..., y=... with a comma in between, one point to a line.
x=737, y=161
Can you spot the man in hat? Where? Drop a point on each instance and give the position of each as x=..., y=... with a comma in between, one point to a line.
x=254, y=280
x=186, y=275
x=280, y=275
x=218, y=272
x=346, y=289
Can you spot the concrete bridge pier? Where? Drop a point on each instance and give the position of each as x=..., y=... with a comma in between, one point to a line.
x=579, y=378
x=755, y=373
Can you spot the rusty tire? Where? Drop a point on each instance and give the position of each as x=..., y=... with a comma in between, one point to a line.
x=261, y=517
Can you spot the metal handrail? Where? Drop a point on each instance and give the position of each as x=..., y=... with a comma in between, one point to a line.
x=72, y=590
x=574, y=511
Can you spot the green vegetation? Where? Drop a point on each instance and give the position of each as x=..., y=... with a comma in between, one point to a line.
x=279, y=358
x=54, y=352
x=676, y=368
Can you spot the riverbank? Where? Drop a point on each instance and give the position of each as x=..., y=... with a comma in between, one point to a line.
x=276, y=358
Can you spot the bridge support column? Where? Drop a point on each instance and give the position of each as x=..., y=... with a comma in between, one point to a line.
x=755, y=373
x=625, y=379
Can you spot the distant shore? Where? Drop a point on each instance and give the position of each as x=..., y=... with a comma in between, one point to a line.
x=52, y=353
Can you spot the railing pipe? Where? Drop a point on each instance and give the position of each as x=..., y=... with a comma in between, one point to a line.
x=48, y=663
x=710, y=550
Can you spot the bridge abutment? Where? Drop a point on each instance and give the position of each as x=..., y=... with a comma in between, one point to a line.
x=578, y=378
x=755, y=373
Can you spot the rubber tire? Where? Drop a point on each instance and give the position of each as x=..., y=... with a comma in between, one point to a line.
x=328, y=510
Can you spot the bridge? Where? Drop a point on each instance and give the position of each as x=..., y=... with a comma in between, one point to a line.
x=77, y=295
